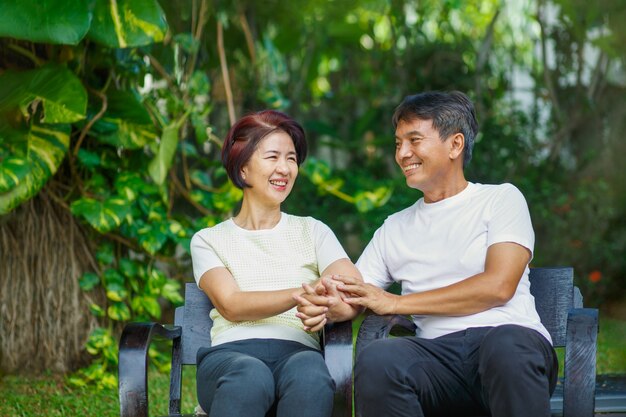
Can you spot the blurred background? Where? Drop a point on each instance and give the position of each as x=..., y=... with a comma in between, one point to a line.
x=112, y=115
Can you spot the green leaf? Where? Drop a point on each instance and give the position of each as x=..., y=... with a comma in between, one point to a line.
x=112, y=276
x=162, y=162
x=62, y=95
x=88, y=159
x=101, y=215
x=126, y=122
x=128, y=267
x=88, y=281
x=119, y=311
x=152, y=236
x=171, y=291
x=151, y=305
x=116, y=292
x=201, y=178
x=45, y=21
x=127, y=23
x=43, y=147
x=105, y=254
x=317, y=171
x=368, y=200
x=12, y=171
x=130, y=185
x=96, y=310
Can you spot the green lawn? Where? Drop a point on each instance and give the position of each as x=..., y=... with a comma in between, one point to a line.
x=49, y=395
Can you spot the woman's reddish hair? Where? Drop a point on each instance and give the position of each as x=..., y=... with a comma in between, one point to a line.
x=244, y=136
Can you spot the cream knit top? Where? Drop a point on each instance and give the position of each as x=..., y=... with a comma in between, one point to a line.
x=295, y=251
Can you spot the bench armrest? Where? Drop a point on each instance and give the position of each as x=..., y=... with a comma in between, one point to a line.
x=379, y=327
x=579, y=387
x=337, y=341
x=133, y=364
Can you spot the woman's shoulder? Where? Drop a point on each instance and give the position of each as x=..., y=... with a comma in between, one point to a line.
x=211, y=231
x=303, y=220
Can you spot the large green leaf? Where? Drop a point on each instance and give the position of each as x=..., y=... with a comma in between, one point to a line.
x=61, y=93
x=126, y=123
x=12, y=171
x=162, y=162
x=45, y=21
x=102, y=215
x=127, y=23
x=42, y=147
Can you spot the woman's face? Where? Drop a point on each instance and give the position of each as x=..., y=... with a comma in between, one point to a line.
x=272, y=169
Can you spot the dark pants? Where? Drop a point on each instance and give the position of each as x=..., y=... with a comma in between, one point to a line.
x=505, y=371
x=250, y=378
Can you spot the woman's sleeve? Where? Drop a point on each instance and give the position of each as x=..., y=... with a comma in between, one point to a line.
x=327, y=247
x=203, y=257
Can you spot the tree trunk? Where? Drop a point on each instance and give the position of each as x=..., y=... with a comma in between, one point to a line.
x=44, y=315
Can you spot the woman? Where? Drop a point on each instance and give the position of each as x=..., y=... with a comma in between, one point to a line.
x=252, y=267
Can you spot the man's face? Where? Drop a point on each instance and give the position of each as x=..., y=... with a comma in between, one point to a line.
x=421, y=154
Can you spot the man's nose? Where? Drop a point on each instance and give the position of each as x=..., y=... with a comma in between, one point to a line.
x=404, y=149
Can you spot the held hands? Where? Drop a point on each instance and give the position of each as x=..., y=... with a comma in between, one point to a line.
x=321, y=303
x=339, y=298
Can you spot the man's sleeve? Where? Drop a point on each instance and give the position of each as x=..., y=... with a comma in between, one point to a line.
x=372, y=264
x=327, y=247
x=203, y=257
x=510, y=220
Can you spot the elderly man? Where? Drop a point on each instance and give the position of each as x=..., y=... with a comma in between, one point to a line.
x=461, y=254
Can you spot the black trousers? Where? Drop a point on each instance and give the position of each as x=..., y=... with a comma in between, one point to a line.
x=504, y=371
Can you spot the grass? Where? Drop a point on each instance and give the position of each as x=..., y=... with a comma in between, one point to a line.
x=48, y=394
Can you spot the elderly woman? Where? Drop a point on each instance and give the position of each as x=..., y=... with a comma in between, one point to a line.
x=253, y=267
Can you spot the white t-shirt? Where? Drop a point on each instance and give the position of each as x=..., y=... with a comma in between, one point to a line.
x=429, y=246
x=295, y=251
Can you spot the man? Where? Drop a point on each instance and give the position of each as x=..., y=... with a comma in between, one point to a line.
x=461, y=254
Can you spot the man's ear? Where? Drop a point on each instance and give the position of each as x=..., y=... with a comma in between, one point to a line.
x=457, y=144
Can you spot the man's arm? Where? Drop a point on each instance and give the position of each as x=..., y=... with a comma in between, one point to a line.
x=504, y=267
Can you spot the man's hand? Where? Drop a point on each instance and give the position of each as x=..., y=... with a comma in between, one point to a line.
x=323, y=303
x=357, y=293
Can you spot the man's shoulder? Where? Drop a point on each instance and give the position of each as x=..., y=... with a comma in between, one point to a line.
x=400, y=217
x=495, y=190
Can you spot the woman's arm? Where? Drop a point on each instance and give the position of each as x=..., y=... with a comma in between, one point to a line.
x=236, y=305
x=324, y=302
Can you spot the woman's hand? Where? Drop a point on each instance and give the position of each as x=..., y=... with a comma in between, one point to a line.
x=322, y=303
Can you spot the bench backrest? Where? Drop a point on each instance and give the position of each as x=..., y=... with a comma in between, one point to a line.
x=553, y=289
x=555, y=295
x=194, y=318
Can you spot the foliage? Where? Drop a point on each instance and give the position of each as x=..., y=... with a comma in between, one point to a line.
x=123, y=142
x=118, y=112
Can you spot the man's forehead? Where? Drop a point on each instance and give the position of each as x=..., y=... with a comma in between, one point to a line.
x=413, y=126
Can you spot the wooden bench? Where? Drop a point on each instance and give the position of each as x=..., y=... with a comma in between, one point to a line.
x=560, y=307
x=192, y=330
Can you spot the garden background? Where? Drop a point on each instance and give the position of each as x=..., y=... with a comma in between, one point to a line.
x=112, y=114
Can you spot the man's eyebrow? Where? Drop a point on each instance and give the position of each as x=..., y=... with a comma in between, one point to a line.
x=410, y=134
